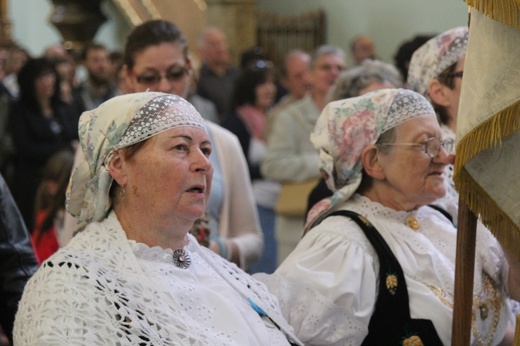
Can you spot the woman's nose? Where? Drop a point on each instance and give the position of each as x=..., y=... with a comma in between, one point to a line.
x=202, y=162
x=444, y=157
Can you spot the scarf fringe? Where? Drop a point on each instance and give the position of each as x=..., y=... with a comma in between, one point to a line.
x=482, y=205
x=504, y=11
x=487, y=135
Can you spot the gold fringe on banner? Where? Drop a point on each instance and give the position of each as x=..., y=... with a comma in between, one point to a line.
x=487, y=135
x=481, y=204
x=504, y=11
x=516, y=342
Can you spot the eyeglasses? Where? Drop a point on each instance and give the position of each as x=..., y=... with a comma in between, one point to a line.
x=172, y=75
x=456, y=74
x=432, y=146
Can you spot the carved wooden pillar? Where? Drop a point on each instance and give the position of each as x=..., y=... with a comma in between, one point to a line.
x=77, y=21
x=237, y=19
x=6, y=39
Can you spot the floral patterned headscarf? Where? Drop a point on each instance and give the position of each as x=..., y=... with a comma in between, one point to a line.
x=117, y=123
x=435, y=56
x=348, y=126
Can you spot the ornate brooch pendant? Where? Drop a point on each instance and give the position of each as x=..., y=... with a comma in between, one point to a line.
x=181, y=258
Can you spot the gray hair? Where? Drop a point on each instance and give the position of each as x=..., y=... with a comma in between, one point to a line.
x=350, y=82
x=326, y=50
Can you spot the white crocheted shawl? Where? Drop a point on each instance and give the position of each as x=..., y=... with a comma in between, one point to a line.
x=94, y=292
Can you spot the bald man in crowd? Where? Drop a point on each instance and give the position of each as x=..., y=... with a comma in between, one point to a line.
x=296, y=78
x=362, y=48
x=217, y=74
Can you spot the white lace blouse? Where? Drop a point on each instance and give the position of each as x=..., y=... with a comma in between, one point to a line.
x=103, y=289
x=327, y=287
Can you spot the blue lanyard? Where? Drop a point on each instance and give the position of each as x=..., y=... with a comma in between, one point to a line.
x=261, y=312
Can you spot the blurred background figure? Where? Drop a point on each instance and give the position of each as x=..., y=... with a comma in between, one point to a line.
x=290, y=156
x=295, y=78
x=253, y=95
x=217, y=73
x=206, y=108
x=436, y=71
x=361, y=48
x=17, y=261
x=65, y=70
x=99, y=85
x=117, y=60
x=57, y=52
x=17, y=57
x=404, y=53
x=41, y=124
x=11, y=61
x=50, y=205
x=359, y=80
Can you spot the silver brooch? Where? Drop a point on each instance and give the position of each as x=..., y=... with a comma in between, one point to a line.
x=181, y=258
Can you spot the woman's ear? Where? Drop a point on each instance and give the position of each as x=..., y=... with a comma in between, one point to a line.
x=437, y=92
x=371, y=162
x=116, y=168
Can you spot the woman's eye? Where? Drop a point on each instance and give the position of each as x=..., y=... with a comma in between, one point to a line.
x=206, y=151
x=181, y=147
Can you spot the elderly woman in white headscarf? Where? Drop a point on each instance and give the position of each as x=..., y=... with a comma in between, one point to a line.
x=436, y=70
x=134, y=275
x=377, y=264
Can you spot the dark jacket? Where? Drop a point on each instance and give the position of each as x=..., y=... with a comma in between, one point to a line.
x=17, y=260
x=234, y=124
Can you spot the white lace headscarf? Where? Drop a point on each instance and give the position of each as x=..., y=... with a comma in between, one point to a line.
x=348, y=126
x=435, y=56
x=117, y=123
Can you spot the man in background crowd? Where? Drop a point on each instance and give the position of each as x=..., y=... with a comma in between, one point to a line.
x=217, y=74
x=362, y=48
x=99, y=85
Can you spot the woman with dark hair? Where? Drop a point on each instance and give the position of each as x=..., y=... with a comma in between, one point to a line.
x=41, y=125
x=253, y=95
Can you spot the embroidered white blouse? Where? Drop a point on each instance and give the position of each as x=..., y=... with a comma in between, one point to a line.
x=102, y=289
x=327, y=287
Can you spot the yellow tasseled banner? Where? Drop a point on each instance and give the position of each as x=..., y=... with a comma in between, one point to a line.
x=479, y=202
x=488, y=135
x=517, y=332
x=504, y=11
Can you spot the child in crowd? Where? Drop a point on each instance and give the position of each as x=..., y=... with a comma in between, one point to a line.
x=50, y=204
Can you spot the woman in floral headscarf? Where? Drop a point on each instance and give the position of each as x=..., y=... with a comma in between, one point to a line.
x=134, y=275
x=377, y=265
x=435, y=71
